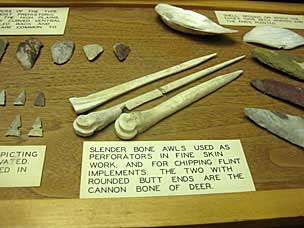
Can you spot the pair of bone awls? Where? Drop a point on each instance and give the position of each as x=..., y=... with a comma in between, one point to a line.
x=86, y=125
x=83, y=104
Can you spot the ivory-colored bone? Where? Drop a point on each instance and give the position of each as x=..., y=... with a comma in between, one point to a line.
x=86, y=125
x=83, y=104
x=128, y=125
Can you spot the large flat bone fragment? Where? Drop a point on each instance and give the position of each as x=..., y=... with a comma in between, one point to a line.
x=20, y=100
x=83, y=104
x=86, y=125
x=128, y=125
x=13, y=129
x=288, y=127
x=36, y=130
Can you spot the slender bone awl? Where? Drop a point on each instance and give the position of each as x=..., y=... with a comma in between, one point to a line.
x=86, y=125
x=83, y=104
x=128, y=125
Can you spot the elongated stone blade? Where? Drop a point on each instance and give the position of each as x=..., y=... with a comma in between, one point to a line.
x=280, y=90
x=287, y=63
x=3, y=46
x=36, y=130
x=121, y=51
x=62, y=51
x=20, y=100
x=2, y=98
x=288, y=127
x=27, y=52
x=92, y=51
x=14, y=130
x=40, y=99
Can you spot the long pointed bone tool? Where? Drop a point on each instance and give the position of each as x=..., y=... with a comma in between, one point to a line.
x=128, y=125
x=86, y=125
x=83, y=104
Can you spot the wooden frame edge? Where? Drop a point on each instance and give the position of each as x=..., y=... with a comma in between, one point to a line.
x=156, y=211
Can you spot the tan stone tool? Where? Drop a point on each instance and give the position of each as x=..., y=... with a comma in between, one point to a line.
x=36, y=130
x=40, y=99
x=86, y=125
x=20, y=100
x=13, y=129
x=128, y=125
x=83, y=104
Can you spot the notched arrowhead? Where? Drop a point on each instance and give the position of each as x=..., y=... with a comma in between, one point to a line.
x=36, y=130
x=14, y=130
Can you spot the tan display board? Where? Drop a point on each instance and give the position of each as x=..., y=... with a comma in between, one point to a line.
x=274, y=164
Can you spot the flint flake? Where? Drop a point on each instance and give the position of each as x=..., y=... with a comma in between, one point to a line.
x=62, y=51
x=92, y=51
x=36, y=130
x=121, y=51
x=20, y=100
x=27, y=52
x=40, y=99
x=14, y=130
x=3, y=46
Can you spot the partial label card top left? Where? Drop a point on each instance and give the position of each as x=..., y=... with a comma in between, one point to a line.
x=33, y=21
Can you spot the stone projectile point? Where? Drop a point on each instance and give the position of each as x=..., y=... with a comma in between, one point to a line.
x=287, y=63
x=40, y=99
x=20, y=100
x=27, y=52
x=36, y=130
x=14, y=130
x=62, y=51
x=92, y=51
x=3, y=46
x=121, y=51
x=2, y=97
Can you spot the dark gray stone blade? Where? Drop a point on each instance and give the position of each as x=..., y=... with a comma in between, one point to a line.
x=27, y=52
x=14, y=130
x=288, y=127
x=287, y=63
x=121, y=51
x=3, y=46
x=280, y=90
x=20, y=100
x=62, y=51
x=40, y=99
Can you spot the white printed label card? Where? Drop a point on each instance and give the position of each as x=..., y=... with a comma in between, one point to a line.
x=33, y=21
x=21, y=166
x=255, y=19
x=163, y=168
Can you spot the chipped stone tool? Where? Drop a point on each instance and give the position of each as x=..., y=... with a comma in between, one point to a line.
x=2, y=97
x=83, y=104
x=288, y=127
x=3, y=46
x=62, y=51
x=36, y=130
x=40, y=99
x=280, y=90
x=14, y=130
x=121, y=51
x=86, y=125
x=28, y=51
x=287, y=63
x=20, y=100
x=128, y=125
x=92, y=51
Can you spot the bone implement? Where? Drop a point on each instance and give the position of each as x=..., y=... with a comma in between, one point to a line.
x=128, y=125
x=288, y=127
x=36, y=130
x=40, y=100
x=280, y=90
x=2, y=98
x=86, y=125
x=14, y=130
x=20, y=100
x=3, y=46
x=83, y=104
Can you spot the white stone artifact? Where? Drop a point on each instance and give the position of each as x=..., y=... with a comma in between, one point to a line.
x=20, y=100
x=188, y=21
x=36, y=130
x=92, y=51
x=86, y=125
x=13, y=129
x=83, y=104
x=128, y=125
x=2, y=97
x=274, y=36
